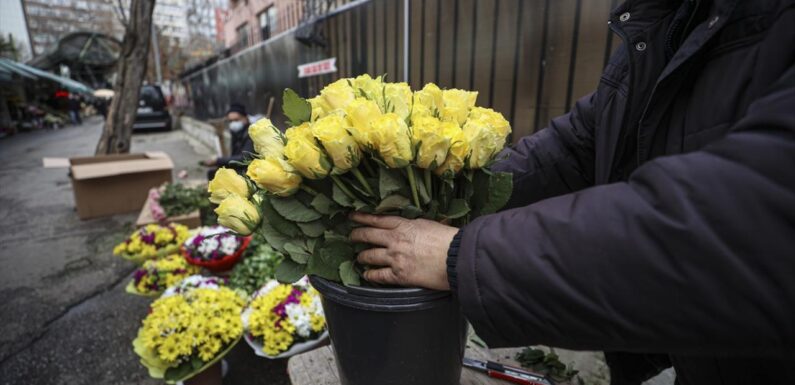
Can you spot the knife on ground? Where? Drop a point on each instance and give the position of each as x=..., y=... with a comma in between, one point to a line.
x=507, y=373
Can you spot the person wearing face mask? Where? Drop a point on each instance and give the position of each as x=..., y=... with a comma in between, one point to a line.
x=242, y=146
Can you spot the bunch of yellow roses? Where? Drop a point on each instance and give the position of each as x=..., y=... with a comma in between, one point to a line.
x=368, y=145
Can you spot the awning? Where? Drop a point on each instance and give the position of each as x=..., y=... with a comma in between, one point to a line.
x=33, y=73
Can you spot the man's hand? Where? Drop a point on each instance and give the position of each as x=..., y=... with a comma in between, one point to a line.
x=209, y=162
x=407, y=252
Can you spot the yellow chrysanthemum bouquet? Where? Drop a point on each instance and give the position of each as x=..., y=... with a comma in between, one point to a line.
x=284, y=319
x=366, y=145
x=187, y=331
x=152, y=241
x=156, y=275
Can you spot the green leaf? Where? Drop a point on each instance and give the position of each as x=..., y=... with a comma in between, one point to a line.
x=336, y=252
x=411, y=212
x=289, y=271
x=296, y=108
x=293, y=210
x=312, y=229
x=298, y=253
x=500, y=189
x=340, y=197
x=317, y=266
x=458, y=208
x=348, y=274
x=178, y=373
x=322, y=204
x=278, y=222
x=392, y=202
x=274, y=237
x=389, y=182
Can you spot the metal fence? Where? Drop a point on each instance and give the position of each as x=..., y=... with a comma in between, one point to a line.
x=529, y=59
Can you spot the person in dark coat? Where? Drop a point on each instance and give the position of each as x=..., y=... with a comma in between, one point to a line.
x=654, y=221
x=242, y=147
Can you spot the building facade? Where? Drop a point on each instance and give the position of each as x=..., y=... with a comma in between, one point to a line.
x=249, y=22
x=14, y=28
x=49, y=20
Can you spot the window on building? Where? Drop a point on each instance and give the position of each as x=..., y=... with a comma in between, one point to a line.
x=267, y=22
x=242, y=35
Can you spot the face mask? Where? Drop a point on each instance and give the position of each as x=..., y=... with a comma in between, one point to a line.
x=236, y=126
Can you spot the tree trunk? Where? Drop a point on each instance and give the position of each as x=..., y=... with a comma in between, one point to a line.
x=130, y=72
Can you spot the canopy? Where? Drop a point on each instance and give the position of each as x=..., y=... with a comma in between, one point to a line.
x=33, y=73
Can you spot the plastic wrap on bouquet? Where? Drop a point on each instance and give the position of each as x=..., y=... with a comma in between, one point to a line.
x=284, y=320
x=214, y=248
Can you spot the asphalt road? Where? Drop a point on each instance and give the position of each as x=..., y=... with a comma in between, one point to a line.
x=65, y=317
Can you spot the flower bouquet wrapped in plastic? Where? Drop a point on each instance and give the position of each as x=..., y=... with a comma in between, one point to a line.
x=156, y=275
x=188, y=331
x=283, y=320
x=215, y=248
x=152, y=241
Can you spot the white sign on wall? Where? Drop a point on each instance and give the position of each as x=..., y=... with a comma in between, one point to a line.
x=321, y=67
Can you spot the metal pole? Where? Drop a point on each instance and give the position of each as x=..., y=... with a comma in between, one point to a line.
x=156, y=50
x=406, y=40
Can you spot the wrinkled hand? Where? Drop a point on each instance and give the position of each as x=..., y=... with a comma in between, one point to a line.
x=406, y=252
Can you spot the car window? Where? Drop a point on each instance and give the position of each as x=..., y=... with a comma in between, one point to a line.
x=151, y=97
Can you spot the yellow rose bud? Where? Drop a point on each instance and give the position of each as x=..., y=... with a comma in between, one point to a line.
x=306, y=157
x=369, y=88
x=457, y=104
x=319, y=107
x=304, y=131
x=337, y=95
x=427, y=102
x=275, y=175
x=486, y=132
x=398, y=99
x=225, y=183
x=266, y=137
x=361, y=113
x=459, y=150
x=429, y=133
x=339, y=144
x=393, y=141
x=238, y=214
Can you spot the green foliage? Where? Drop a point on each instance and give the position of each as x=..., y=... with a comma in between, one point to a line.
x=257, y=267
x=296, y=108
x=178, y=199
x=548, y=364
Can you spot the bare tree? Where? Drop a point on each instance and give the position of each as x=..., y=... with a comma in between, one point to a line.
x=130, y=72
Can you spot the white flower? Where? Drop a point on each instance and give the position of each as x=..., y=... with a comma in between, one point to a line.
x=299, y=318
x=229, y=245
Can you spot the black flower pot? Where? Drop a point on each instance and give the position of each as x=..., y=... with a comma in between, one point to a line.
x=393, y=336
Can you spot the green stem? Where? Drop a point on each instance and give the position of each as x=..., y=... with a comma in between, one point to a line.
x=413, y=183
x=428, y=181
x=310, y=190
x=368, y=166
x=362, y=181
x=343, y=187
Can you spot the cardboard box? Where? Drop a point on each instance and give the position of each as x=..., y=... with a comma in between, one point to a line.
x=192, y=219
x=114, y=184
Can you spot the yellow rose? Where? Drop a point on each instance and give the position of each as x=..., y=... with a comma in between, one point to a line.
x=275, y=175
x=319, y=107
x=428, y=133
x=457, y=104
x=398, y=99
x=339, y=144
x=306, y=157
x=361, y=113
x=304, y=131
x=393, y=141
x=369, y=88
x=266, y=137
x=238, y=214
x=459, y=150
x=427, y=102
x=486, y=132
x=337, y=95
x=225, y=183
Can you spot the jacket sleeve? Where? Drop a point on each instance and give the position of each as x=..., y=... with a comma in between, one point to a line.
x=694, y=254
x=245, y=154
x=554, y=161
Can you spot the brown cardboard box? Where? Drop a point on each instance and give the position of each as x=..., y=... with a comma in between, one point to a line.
x=114, y=184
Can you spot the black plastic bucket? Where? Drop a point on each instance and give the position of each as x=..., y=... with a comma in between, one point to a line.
x=393, y=336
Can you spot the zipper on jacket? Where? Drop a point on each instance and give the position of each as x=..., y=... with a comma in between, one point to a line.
x=624, y=120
